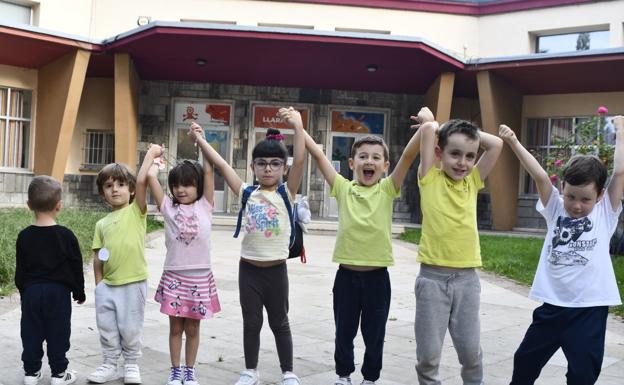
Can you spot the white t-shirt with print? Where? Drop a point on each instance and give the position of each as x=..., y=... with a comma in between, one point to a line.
x=267, y=226
x=575, y=268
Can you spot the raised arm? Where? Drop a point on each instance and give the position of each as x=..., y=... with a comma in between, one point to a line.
x=295, y=173
x=140, y=196
x=411, y=150
x=616, y=186
x=230, y=176
x=209, y=184
x=528, y=161
x=328, y=171
x=428, y=131
x=492, y=147
x=153, y=153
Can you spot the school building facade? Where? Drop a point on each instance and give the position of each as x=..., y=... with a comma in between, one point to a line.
x=85, y=83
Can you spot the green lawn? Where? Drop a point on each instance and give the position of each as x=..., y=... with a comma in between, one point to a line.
x=81, y=222
x=517, y=258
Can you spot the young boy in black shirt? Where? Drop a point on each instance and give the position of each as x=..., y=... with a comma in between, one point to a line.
x=48, y=267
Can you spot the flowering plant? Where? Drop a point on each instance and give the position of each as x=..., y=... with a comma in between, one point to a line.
x=591, y=136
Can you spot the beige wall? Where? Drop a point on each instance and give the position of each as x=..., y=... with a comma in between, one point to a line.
x=95, y=113
x=540, y=106
x=508, y=34
x=465, y=36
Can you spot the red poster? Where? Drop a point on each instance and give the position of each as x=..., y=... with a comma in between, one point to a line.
x=268, y=117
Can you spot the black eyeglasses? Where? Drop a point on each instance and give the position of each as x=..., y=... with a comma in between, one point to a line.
x=262, y=164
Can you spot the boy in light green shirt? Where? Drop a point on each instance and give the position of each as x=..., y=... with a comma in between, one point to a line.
x=363, y=247
x=120, y=272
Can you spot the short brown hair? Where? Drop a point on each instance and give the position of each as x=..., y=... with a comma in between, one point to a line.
x=119, y=172
x=457, y=126
x=44, y=192
x=370, y=139
x=585, y=169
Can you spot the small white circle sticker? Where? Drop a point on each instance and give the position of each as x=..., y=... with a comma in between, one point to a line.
x=103, y=254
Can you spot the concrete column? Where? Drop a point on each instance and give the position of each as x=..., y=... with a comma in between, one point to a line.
x=126, y=110
x=501, y=103
x=439, y=96
x=58, y=98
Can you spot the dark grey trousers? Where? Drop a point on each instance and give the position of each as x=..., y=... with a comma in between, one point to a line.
x=265, y=287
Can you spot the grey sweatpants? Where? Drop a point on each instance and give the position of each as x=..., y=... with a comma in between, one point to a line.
x=448, y=298
x=119, y=312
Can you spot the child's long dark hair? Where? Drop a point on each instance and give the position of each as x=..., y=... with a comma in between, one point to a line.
x=186, y=173
x=271, y=147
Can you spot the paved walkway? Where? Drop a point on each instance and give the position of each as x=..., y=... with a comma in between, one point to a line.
x=505, y=315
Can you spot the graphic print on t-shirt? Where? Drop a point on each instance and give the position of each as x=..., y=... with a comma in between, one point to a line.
x=262, y=218
x=188, y=227
x=566, y=246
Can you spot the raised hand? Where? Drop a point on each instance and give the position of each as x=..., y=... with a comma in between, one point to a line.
x=507, y=134
x=424, y=116
x=291, y=116
x=195, y=132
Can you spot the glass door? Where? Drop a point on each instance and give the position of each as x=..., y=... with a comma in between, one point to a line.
x=214, y=117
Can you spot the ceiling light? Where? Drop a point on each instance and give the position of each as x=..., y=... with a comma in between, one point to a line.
x=371, y=68
x=200, y=62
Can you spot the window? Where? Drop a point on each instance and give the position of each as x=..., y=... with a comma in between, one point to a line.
x=542, y=134
x=99, y=149
x=15, y=110
x=15, y=13
x=570, y=42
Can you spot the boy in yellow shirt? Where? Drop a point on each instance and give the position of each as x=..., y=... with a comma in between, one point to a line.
x=447, y=287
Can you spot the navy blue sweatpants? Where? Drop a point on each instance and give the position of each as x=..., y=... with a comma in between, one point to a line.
x=46, y=316
x=579, y=332
x=361, y=298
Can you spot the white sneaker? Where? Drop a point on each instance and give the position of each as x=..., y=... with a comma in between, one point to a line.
x=69, y=377
x=189, y=376
x=175, y=376
x=343, y=381
x=132, y=374
x=104, y=373
x=32, y=380
x=249, y=377
x=289, y=378
x=367, y=382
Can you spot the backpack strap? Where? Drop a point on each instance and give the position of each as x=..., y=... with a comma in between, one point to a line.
x=281, y=189
x=246, y=193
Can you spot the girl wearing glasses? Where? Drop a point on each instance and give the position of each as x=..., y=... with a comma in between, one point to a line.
x=262, y=277
x=187, y=291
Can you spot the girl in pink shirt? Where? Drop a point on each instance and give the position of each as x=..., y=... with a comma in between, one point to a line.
x=187, y=291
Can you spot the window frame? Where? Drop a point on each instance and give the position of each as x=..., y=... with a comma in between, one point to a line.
x=7, y=118
x=84, y=166
x=527, y=186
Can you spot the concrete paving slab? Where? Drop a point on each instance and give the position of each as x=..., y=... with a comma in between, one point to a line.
x=505, y=315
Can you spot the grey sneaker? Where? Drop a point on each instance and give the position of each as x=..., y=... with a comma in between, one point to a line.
x=343, y=381
x=290, y=378
x=367, y=382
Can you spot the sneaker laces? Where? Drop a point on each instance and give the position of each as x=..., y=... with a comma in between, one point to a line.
x=189, y=373
x=175, y=374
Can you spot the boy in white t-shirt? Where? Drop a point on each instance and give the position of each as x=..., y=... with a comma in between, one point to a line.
x=574, y=278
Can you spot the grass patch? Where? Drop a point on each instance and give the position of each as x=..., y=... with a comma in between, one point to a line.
x=517, y=258
x=81, y=222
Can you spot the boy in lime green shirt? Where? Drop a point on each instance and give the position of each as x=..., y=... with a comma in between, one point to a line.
x=364, y=247
x=120, y=272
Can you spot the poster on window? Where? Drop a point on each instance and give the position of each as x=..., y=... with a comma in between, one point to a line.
x=358, y=122
x=204, y=114
x=268, y=117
